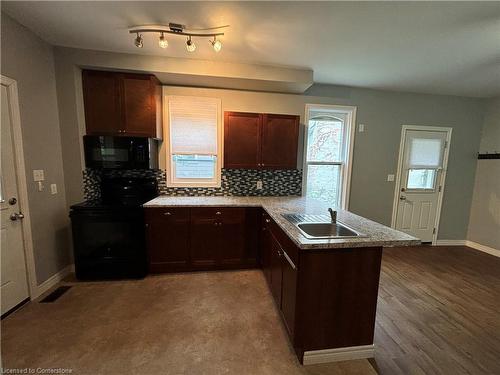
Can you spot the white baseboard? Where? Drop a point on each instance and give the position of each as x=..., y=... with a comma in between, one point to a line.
x=338, y=354
x=483, y=248
x=471, y=244
x=451, y=243
x=52, y=281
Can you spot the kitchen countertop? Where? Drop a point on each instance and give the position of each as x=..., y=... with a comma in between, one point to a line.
x=377, y=234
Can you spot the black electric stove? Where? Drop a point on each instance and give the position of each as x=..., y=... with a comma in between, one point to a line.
x=108, y=234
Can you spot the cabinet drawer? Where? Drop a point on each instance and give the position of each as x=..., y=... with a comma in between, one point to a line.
x=166, y=213
x=223, y=213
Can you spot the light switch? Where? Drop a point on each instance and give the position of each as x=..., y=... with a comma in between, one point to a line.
x=38, y=175
x=53, y=189
x=361, y=128
x=259, y=185
x=390, y=177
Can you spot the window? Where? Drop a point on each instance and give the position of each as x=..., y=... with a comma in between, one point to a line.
x=194, y=141
x=424, y=159
x=328, y=153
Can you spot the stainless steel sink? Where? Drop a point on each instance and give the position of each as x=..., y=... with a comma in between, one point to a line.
x=321, y=227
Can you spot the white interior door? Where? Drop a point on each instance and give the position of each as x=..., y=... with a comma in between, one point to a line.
x=14, y=283
x=420, y=182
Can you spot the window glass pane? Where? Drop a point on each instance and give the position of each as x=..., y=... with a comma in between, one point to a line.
x=425, y=152
x=324, y=140
x=323, y=183
x=421, y=179
x=195, y=166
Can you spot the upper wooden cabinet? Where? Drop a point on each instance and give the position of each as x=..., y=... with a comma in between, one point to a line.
x=260, y=141
x=122, y=104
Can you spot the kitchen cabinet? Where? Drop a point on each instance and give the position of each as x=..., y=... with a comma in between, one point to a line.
x=265, y=247
x=122, y=104
x=260, y=141
x=167, y=234
x=202, y=238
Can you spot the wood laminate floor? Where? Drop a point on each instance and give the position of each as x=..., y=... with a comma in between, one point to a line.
x=438, y=313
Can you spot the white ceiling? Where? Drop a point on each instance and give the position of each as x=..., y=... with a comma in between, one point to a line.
x=444, y=48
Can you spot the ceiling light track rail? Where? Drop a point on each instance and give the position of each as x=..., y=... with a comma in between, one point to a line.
x=178, y=29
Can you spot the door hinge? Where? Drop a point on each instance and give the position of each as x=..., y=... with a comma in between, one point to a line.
x=434, y=231
x=445, y=144
x=440, y=188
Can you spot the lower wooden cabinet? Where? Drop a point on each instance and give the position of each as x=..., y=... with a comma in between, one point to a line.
x=167, y=235
x=202, y=238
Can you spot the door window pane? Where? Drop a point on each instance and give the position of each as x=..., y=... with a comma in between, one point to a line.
x=323, y=183
x=421, y=179
x=324, y=139
x=194, y=166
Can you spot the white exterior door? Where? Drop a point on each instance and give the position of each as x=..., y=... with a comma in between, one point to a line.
x=420, y=182
x=14, y=283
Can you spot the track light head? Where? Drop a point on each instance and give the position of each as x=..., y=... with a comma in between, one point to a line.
x=163, y=43
x=190, y=46
x=138, y=41
x=216, y=44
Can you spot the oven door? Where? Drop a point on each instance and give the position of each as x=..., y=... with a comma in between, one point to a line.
x=109, y=243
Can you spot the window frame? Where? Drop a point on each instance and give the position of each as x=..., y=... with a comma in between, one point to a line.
x=347, y=148
x=170, y=169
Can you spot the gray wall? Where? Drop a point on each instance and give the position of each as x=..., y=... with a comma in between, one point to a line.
x=484, y=223
x=29, y=61
x=375, y=153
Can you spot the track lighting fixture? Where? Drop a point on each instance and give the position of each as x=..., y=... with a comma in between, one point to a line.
x=163, y=43
x=178, y=29
x=190, y=46
x=216, y=44
x=138, y=41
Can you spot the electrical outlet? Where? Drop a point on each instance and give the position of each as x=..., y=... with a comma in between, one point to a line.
x=361, y=128
x=259, y=185
x=390, y=177
x=53, y=189
x=38, y=175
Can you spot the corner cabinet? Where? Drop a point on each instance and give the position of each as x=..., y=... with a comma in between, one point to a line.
x=122, y=104
x=260, y=141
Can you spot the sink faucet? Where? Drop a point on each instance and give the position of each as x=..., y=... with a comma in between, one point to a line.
x=333, y=215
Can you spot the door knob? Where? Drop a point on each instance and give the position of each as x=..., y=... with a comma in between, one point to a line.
x=12, y=201
x=16, y=216
x=402, y=198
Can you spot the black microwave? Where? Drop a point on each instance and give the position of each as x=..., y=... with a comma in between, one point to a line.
x=108, y=152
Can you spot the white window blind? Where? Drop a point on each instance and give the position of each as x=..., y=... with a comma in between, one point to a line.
x=425, y=152
x=193, y=125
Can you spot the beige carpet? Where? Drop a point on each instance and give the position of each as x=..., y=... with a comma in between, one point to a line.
x=197, y=323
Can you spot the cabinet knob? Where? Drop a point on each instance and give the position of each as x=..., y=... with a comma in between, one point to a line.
x=268, y=220
x=218, y=213
x=167, y=213
x=262, y=165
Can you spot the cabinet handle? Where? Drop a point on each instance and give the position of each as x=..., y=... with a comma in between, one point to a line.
x=167, y=213
x=262, y=165
x=289, y=260
x=268, y=220
x=218, y=213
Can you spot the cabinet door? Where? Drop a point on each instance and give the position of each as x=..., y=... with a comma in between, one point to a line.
x=168, y=238
x=101, y=95
x=289, y=292
x=205, y=238
x=280, y=134
x=266, y=247
x=232, y=236
x=242, y=140
x=139, y=106
x=276, y=271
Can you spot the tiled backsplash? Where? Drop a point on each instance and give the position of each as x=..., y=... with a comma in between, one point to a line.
x=234, y=182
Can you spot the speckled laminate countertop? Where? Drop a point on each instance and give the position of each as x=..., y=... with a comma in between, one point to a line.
x=377, y=234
